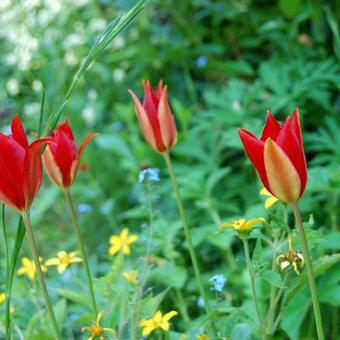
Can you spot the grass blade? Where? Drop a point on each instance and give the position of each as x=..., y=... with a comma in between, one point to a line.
x=113, y=29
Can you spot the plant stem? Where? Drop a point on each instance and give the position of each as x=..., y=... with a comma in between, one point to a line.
x=146, y=267
x=252, y=279
x=19, y=237
x=188, y=238
x=310, y=273
x=40, y=274
x=82, y=247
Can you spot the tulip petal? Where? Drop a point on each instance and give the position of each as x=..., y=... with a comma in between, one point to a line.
x=144, y=121
x=271, y=128
x=18, y=132
x=283, y=179
x=11, y=172
x=64, y=150
x=290, y=141
x=254, y=148
x=33, y=170
x=51, y=167
x=76, y=162
x=166, y=121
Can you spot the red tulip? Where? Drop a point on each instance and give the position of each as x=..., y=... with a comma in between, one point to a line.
x=279, y=157
x=20, y=167
x=62, y=157
x=155, y=117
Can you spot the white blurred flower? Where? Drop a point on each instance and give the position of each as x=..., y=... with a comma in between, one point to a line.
x=72, y=40
x=79, y=3
x=32, y=109
x=89, y=115
x=118, y=75
x=30, y=4
x=97, y=24
x=236, y=105
x=92, y=95
x=4, y=4
x=37, y=85
x=70, y=58
x=13, y=87
x=118, y=42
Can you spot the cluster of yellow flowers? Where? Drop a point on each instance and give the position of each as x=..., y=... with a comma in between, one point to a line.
x=62, y=261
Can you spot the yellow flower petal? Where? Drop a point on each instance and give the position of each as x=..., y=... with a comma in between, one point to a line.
x=54, y=261
x=270, y=201
x=62, y=267
x=169, y=315
x=62, y=254
x=75, y=260
x=2, y=298
x=253, y=221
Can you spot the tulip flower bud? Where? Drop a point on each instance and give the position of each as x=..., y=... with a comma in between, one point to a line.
x=279, y=157
x=155, y=118
x=62, y=157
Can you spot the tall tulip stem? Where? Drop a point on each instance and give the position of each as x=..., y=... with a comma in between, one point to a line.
x=310, y=273
x=253, y=288
x=188, y=236
x=40, y=274
x=82, y=248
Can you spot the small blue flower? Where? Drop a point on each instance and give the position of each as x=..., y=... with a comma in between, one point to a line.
x=201, y=61
x=219, y=281
x=84, y=208
x=152, y=174
x=116, y=126
x=200, y=302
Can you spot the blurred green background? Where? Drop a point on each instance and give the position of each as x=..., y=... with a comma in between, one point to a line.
x=226, y=63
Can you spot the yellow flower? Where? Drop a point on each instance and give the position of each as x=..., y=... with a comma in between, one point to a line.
x=270, y=200
x=63, y=260
x=203, y=337
x=121, y=243
x=131, y=276
x=96, y=330
x=28, y=268
x=2, y=298
x=158, y=321
x=241, y=225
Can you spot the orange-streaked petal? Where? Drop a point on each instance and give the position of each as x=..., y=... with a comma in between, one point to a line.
x=283, y=178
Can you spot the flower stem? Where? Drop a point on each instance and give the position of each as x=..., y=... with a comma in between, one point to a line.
x=82, y=247
x=310, y=273
x=252, y=279
x=40, y=274
x=188, y=237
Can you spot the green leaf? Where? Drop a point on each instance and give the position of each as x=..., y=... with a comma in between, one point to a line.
x=170, y=275
x=273, y=277
x=293, y=315
x=319, y=267
x=72, y=295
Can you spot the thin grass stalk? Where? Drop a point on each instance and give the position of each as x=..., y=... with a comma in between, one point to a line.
x=112, y=30
x=19, y=237
x=40, y=274
x=253, y=288
x=82, y=248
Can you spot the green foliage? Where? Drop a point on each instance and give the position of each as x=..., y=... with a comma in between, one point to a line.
x=225, y=63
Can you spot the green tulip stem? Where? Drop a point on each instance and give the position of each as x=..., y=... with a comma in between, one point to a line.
x=310, y=273
x=82, y=248
x=253, y=288
x=40, y=274
x=187, y=233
